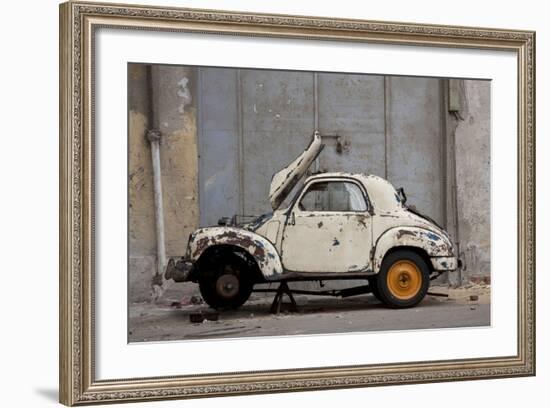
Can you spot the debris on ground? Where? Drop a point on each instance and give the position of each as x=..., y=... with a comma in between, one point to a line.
x=187, y=301
x=196, y=300
x=203, y=316
x=470, y=292
x=176, y=305
x=154, y=322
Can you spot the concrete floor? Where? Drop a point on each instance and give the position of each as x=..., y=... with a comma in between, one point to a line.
x=315, y=315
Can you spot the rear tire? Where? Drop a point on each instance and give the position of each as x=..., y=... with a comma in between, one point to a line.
x=403, y=280
x=225, y=282
x=374, y=286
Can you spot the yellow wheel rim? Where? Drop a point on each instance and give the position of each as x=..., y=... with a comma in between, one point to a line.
x=404, y=280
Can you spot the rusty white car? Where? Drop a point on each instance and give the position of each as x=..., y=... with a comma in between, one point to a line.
x=337, y=226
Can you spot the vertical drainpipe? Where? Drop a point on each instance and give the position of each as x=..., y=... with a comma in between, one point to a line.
x=455, y=205
x=154, y=137
x=387, y=112
x=316, y=112
x=454, y=104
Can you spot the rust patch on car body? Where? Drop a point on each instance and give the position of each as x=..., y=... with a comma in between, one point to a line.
x=362, y=220
x=432, y=242
x=263, y=251
x=402, y=232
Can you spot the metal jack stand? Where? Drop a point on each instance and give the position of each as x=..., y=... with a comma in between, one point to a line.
x=278, y=300
x=283, y=289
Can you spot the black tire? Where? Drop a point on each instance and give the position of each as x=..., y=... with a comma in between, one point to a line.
x=403, y=280
x=374, y=287
x=225, y=282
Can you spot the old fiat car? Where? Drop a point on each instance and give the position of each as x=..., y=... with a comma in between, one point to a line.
x=337, y=226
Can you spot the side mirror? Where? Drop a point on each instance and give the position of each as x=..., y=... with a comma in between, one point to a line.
x=401, y=194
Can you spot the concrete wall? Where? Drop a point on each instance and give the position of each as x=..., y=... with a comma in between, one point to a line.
x=414, y=137
x=473, y=158
x=242, y=125
x=391, y=127
x=176, y=119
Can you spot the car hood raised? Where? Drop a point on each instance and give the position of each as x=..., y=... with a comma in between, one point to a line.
x=284, y=181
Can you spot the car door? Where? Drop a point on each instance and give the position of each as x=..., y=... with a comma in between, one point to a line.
x=329, y=229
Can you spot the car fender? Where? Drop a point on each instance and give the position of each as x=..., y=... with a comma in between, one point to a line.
x=264, y=253
x=434, y=243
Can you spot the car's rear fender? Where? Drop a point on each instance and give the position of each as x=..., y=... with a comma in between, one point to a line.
x=264, y=253
x=431, y=242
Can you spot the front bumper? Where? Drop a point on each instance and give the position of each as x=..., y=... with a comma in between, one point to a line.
x=445, y=263
x=179, y=271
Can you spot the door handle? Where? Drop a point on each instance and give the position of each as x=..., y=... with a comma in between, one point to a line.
x=292, y=219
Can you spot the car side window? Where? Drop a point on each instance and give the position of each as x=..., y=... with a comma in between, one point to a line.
x=333, y=196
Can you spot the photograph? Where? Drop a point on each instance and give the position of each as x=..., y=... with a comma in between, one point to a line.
x=268, y=202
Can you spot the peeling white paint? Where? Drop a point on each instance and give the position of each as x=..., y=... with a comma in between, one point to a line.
x=210, y=181
x=258, y=247
x=429, y=240
x=184, y=93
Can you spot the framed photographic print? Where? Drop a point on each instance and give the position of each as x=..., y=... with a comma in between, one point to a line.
x=261, y=203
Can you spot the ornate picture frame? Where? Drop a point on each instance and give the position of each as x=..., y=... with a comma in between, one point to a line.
x=78, y=24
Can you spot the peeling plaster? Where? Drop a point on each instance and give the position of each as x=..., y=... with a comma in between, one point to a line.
x=184, y=93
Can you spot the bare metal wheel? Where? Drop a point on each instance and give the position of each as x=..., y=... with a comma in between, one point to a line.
x=225, y=282
x=403, y=280
x=227, y=285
